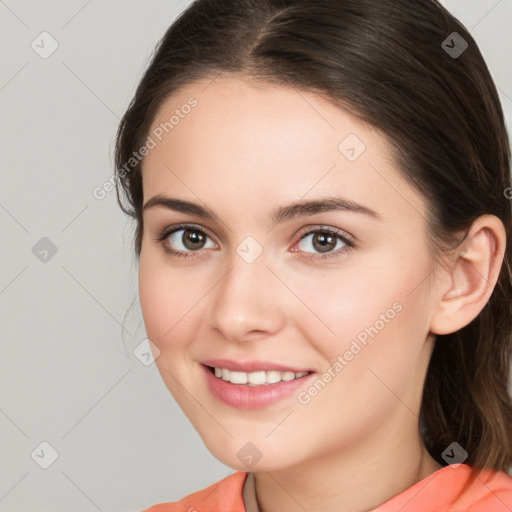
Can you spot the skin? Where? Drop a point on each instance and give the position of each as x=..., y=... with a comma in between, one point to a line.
x=244, y=150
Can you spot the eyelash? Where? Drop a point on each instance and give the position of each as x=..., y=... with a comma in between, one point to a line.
x=166, y=232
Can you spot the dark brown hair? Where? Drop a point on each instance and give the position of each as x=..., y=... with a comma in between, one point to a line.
x=392, y=64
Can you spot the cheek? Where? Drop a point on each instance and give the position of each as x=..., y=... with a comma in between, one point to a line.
x=355, y=297
x=167, y=297
x=378, y=301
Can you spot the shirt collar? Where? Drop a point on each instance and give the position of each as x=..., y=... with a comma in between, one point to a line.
x=249, y=494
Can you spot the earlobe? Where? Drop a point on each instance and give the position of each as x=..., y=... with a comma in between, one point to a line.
x=472, y=276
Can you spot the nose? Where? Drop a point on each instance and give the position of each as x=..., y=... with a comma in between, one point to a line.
x=245, y=305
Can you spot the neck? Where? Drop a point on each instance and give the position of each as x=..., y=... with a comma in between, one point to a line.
x=356, y=478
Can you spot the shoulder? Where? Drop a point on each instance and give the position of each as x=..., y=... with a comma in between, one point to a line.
x=225, y=496
x=489, y=491
x=456, y=488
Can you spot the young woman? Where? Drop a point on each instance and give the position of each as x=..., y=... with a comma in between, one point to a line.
x=324, y=233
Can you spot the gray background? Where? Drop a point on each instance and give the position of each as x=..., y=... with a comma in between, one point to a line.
x=66, y=377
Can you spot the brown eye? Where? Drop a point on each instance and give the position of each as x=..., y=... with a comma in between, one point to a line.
x=185, y=240
x=193, y=239
x=324, y=241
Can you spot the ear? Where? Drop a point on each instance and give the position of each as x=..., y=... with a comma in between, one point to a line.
x=471, y=276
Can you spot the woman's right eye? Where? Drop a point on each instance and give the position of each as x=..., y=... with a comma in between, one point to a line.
x=181, y=241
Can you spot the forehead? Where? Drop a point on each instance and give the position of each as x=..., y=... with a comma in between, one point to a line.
x=246, y=141
x=245, y=115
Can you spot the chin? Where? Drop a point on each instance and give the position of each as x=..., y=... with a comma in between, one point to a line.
x=244, y=455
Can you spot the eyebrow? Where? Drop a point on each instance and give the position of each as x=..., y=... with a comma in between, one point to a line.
x=280, y=214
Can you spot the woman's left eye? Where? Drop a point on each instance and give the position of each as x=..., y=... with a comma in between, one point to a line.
x=327, y=242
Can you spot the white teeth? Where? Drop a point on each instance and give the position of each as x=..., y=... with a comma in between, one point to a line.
x=273, y=377
x=259, y=378
x=238, y=378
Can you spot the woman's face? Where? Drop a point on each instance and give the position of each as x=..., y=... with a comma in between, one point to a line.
x=313, y=258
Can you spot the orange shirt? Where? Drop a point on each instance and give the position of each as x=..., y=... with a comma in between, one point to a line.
x=460, y=488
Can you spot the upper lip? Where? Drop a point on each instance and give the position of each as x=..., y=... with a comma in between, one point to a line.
x=251, y=366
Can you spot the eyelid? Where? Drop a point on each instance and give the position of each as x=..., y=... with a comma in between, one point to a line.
x=322, y=227
x=165, y=232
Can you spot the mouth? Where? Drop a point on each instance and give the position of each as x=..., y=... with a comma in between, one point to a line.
x=256, y=378
x=253, y=385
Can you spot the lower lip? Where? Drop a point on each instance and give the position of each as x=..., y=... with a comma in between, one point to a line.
x=244, y=396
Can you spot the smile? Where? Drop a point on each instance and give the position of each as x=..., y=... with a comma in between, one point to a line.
x=255, y=388
x=258, y=378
